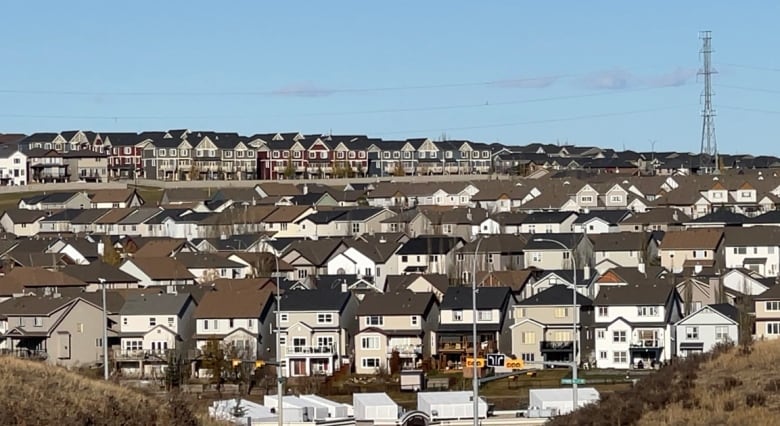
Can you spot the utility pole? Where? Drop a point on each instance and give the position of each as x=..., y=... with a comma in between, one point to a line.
x=708, y=157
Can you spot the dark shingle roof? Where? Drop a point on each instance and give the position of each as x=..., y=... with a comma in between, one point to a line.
x=155, y=304
x=556, y=295
x=321, y=299
x=429, y=244
x=487, y=298
x=402, y=302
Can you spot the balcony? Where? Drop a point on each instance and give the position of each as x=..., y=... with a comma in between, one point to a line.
x=311, y=350
x=550, y=346
x=406, y=350
x=646, y=344
x=141, y=354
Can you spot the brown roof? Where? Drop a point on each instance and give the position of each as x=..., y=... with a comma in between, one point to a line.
x=286, y=214
x=276, y=189
x=162, y=268
x=114, y=216
x=692, y=239
x=230, y=302
x=515, y=280
x=23, y=277
x=664, y=215
x=239, y=214
x=619, y=241
x=159, y=248
x=401, y=282
x=403, y=302
x=111, y=195
x=263, y=259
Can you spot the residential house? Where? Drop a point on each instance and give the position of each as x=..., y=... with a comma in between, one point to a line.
x=599, y=221
x=428, y=254
x=767, y=314
x=343, y=222
x=125, y=155
x=755, y=248
x=310, y=257
x=657, y=219
x=709, y=326
x=401, y=324
x=635, y=323
x=96, y=274
x=543, y=329
x=158, y=271
x=490, y=253
x=548, y=223
x=456, y=317
x=47, y=166
x=412, y=222
x=544, y=279
x=207, y=267
x=367, y=257
x=680, y=249
x=554, y=251
x=65, y=331
x=22, y=222
x=623, y=249
x=238, y=316
x=152, y=326
x=56, y=201
x=115, y=199
x=86, y=166
x=435, y=284
x=317, y=329
x=13, y=165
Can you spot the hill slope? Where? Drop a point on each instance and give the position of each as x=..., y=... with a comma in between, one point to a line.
x=726, y=388
x=39, y=394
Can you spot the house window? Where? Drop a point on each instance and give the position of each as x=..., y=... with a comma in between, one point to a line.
x=251, y=323
x=396, y=154
x=619, y=336
x=561, y=312
x=529, y=338
x=369, y=362
x=448, y=154
x=275, y=154
x=527, y=357
x=616, y=198
x=459, y=257
x=99, y=342
x=282, y=340
x=404, y=259
x=490, y=258
x=284, y=317
x=447, y=229
x=205, y=324
x=369, y=342
x=230, y=323
x=124, y=321
x=457, y=315
x=721, y=333
x=312, y=155
x=324, y=318
x=386, y=154
x=355, y=228
x=772, y=306
x=375, y=320
x=421, y=154
x=619, y=357
x=603, y=311
x=38, y=322
x=692, y=333
x=603, y=355
x=647, y=311
x=586, y=199
x=415, y=320
x=486, y=315
x=773, y=328
x=302, y=274
x=600, y=334
x=536, y=256
x=152, y=321
x=161, y=152
x=170, y=322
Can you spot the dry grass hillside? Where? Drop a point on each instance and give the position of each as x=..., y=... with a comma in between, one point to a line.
x=39, y=394
x=728, y=388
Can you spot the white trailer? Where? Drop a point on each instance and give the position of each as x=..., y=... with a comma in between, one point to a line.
x=335, y=409
x=450, y=405
x=374, y=406
x=558, y=401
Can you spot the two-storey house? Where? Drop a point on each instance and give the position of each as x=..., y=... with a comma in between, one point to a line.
x=153, y=324
x=548, y=222
x=767, y=311
x=681, y=249
x=490, y=253
x=635, y=323
x=317, y=330
x=454, y=340
x=427, y=254
x=755, y=248
x=13, y=165
x=543, y=329
x=398, y=325
x=546, y=252
x=368, y=258
x=623, y=249
x=238, y=315
x=709, y=326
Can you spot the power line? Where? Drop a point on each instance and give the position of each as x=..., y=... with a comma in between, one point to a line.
x=749, y=89
x=544, y=121
x=747, y=109
x=751, y=67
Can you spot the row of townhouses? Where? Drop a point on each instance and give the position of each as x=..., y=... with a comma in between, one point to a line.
x=206, y=155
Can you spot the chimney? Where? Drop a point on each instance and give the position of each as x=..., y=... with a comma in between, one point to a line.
x=586, y=272
x=344, y=288
x=305, y=188
x=100, y=248
x=697, y=269
x=223, y=237
x=641, y=267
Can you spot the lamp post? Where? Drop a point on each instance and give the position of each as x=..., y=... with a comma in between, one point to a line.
x=474, y=379
x=279, y=375
x=105, y=330
x=574, y=316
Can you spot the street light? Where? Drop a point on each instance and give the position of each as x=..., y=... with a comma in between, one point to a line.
x=279, y=375
x=474, y=378
x=574, y=316
x=105, y=330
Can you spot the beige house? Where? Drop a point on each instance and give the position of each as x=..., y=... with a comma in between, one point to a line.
x=412, y=222
x=60, y=330
x=543, y=327
x=435, y=284
x=681, y=249
x=767, y=307
x=401, y=325
x=317, y=328
x=87, y=166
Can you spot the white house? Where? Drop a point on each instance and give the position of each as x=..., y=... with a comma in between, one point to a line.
x=755, y=248
x=22, y=222
x=429, y=254
x=635, y=322
x=704, y=329
x=13, y=166
x=366, y=257
x=152, y=324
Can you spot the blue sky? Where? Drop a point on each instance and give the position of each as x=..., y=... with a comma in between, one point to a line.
x=617, y=74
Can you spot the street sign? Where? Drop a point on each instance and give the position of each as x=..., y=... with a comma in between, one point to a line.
x=470, y=362
x=571, y=382
x=496, y=360
x=514, y=364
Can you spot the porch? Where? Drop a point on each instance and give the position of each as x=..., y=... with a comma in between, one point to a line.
x=454, y=349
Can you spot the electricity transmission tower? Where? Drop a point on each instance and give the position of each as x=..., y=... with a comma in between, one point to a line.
x=708, y=157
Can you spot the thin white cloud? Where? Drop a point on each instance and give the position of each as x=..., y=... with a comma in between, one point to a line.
x=528, y=83
x=615, y=79
x=677, y=77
